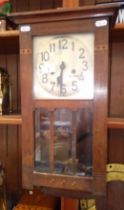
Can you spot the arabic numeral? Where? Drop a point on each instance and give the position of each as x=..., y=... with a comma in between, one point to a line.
x=45, y=56
x=81, y=76
x=73, y=46
x=63, y=44
x=63, y=90
x=74, y=86
x=45, y=78
x=81, y=53
x=52, y=85
x=52, y=47
x=85, y=65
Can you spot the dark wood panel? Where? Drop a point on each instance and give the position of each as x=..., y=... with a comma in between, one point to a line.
x=22, y=5
x=116, y=146
x=103, y=1
x=41, y=4
x=115, y=189
x=117, y=81
x=49, y=4
x=86, y=2
x=12, y=159
x=13, y=70
x=3, y=128
x=34, y=5
x=72, y=204
x=3, y=144
x=28, y=5
x=13, y=3
x=116, y=195
x=9, y=42
x=10, y=135
x=57, y=3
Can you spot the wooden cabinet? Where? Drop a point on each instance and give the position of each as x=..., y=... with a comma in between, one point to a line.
x=116, y=114
x=10, y=130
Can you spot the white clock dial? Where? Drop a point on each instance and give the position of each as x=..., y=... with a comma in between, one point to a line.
x=63, y=66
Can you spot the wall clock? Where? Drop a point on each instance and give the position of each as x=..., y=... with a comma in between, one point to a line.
x=64, y=82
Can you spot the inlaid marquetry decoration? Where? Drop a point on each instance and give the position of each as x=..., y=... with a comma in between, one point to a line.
x=115, y=172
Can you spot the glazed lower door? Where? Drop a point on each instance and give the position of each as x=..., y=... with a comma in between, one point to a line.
x=63, y=141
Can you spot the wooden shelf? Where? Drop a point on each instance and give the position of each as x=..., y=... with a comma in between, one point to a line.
x=119, y=27
x=115, y=123
x=16, y=119
x=9, y=33
x=11, y=119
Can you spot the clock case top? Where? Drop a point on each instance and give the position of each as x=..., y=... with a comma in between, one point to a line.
x=56, y=22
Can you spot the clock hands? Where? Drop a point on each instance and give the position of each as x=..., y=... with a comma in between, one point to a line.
x=60, y=77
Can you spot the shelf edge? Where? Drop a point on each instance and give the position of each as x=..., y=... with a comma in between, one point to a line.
x=11, y=120
x=115, y=123
x=9, y=33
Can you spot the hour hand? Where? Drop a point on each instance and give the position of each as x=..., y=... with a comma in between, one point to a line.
x=62, y=66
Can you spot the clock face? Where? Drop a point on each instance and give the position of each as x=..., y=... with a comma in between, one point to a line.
x=63, y=66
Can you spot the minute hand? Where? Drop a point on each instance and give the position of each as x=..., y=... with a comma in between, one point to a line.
x=60, y=77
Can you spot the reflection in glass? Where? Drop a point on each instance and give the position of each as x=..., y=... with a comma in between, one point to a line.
x=42, y=139
x=84, y=142
x=63, y=141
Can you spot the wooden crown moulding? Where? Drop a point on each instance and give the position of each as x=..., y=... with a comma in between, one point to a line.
x=62, y=14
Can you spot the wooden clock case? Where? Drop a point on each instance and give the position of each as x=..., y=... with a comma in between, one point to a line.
x=98, y=21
